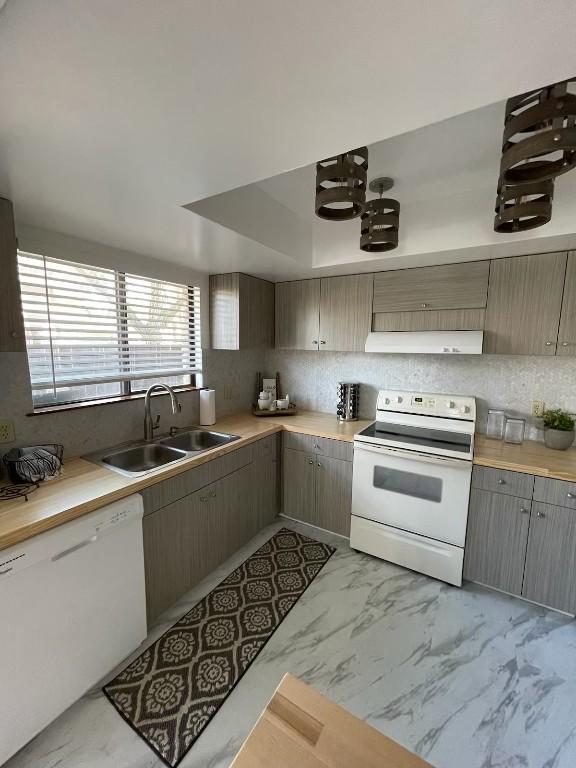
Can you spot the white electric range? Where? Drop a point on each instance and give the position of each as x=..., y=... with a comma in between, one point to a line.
x=411, y=483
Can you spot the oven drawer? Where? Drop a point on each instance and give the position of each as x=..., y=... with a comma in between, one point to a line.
x=561, y=493
x=503, y=481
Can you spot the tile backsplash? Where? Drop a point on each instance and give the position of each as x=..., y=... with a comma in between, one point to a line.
x=497, y=381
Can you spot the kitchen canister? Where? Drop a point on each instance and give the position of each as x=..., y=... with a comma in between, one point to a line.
x=207, y=407
x=347, y=401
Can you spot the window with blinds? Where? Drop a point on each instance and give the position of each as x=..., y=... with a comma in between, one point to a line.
x=95, y=333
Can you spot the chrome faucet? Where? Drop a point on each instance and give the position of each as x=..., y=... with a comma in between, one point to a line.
x=149, y=424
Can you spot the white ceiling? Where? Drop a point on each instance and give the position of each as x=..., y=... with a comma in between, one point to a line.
x=116, y=114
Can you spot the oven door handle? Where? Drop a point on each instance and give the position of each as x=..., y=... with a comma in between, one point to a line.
x=425, y=458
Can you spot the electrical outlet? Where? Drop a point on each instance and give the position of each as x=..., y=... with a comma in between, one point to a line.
x=538, y=408
x=7, y=434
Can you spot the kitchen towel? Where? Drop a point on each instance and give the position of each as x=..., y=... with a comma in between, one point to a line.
x=207, y=407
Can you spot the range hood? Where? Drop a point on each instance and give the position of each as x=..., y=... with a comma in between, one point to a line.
x=426, y=342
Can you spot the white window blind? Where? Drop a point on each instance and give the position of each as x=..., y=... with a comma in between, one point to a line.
x=93, y=332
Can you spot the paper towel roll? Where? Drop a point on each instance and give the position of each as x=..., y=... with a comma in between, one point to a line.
x=207, y=407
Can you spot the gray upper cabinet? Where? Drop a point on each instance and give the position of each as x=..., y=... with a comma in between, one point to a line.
x=567, y=332
x=451, y=286
x=298, y=314
x=524, y=303
x=551, y=557
x=241, y=312
x=345, y=312
x=12, y=337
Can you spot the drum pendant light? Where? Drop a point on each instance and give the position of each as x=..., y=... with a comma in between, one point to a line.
x=341, y=185
x=380, y=220
x=539, y=140
x=523, y=206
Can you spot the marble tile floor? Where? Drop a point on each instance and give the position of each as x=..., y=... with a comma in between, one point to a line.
x=466, y=678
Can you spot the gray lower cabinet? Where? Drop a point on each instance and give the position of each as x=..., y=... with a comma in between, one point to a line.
x=333, y=494
x=299, y=484
x=521, y=536
x=550, y=576
x=496, y=540
x=318, y=489
x=187, y=538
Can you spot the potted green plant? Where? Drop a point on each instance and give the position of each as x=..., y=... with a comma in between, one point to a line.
x=558, y=429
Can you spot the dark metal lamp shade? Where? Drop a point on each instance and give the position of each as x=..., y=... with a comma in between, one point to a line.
x=380, y=222
x=539, y=140
x=523, y=206
x=341, y=185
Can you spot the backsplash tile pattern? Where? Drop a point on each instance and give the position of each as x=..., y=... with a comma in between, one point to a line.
x=497, y=381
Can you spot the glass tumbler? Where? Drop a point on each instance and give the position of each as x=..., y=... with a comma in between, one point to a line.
x=495, y=424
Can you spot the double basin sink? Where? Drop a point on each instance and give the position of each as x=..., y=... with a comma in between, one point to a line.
x=139, y=458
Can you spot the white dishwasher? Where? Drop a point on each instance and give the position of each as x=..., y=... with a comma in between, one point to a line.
x=72, y=606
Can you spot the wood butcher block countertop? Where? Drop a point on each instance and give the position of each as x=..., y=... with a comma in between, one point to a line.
x=84, y=487
x=300, y=727
x=531, y=457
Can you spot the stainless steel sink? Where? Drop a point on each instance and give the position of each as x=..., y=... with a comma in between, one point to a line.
x=139, y=458
x=198, y=440
x=142, y=458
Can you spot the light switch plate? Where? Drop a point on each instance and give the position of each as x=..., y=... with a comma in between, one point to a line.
x=7, y=434
x=538, y=407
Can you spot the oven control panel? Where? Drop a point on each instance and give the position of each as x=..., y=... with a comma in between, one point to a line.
x=427, y=403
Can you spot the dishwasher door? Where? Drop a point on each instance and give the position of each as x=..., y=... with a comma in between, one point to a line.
x=72, y=606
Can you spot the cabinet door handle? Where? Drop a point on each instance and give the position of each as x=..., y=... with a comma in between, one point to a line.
x=213, y=494
x=548, y=343
x=323, y=341
x=501, y=481
x=319, y=464
x=524, y=510
x=571, y=495
x=424, y=305
x=310, y=461
x=314, y=341
x=564, y=343
x=203, y=498
x=540, y=513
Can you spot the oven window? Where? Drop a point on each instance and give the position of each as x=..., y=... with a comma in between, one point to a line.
x=408, y=484
x=419, y=436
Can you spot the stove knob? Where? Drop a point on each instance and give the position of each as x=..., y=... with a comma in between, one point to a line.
x=398, y=399
x=464, y=409
x=387, y=401
x=450, y=403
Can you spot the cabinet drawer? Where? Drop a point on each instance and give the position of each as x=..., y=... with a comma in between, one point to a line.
x=167, y=491
x=228, y=463
x=296, y=441
x=267, y=448
x=503, y=481
x=561, y=493
x=335, y=449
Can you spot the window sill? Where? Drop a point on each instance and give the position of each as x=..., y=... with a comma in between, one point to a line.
x=105, y=401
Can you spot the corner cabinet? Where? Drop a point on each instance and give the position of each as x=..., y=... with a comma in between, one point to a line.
x=524, y=304
x=241, y=312
x=332, y=314
x=317, y=481
x=521, y=536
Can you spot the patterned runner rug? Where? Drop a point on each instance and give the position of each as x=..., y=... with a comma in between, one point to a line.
x=169, y=694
